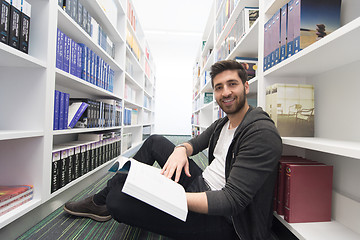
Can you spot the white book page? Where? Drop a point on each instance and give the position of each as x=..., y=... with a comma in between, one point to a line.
x=145, y=183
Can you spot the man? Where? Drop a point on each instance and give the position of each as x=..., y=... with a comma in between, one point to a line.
x=232, y=198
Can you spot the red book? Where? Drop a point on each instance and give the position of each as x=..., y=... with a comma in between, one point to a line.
x=8, y=192
x=280, y=185
x=308, y=193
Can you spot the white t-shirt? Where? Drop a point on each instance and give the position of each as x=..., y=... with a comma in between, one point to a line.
x=214, y=174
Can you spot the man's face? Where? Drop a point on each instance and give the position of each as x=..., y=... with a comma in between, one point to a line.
x=230, y=92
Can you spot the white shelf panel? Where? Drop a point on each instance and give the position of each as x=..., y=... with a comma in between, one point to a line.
x=132, y=82
x=18, y=212
x=11, y=57
x=70, y=81
x=248, y=45
x=232, y=19
x=319, y=230
x=15, y=134
x=274, y=5
x=98, y=13
x=75, y=32
x=332, y=46
x=342, y=148
x=131, y=104
x=83, y=130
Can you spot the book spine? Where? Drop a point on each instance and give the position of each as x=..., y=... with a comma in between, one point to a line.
x=88, y=158
x=56, y=110
x=287, y=194
x=78, y=60
x=83, y=61
x=63, y=168
x=61, y=111
x=67, y=52
x=70, y=164
x=16, y=198
x=83, y=156
x=66, y=109
x=290, y=29
x=25, y=26
x=4, y=21
x=73, y=12
x=297, y=23
x=283, y=32
x=73, y=58
x=14, y=24
x=277, y=37
x=67, y=6
x=78, y=114
x=59, y=49
x=79, y=13
x=77, y=162
x=55, y=172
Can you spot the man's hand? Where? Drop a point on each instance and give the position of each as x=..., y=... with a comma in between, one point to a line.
x=176, y=162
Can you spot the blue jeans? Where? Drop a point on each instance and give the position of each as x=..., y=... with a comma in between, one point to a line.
x=126, y=209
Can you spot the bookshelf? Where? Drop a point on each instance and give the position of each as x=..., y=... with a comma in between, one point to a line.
x=332, y=66
x=28, y=82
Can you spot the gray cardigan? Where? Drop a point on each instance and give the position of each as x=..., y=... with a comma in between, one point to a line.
x=250, y=172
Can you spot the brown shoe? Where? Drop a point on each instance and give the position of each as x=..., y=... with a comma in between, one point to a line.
x=87, y=208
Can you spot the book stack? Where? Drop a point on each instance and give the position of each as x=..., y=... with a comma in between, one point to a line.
x=304, y=190
x=83, y=18
x=85, y=113
x=292, y=108
x=80, y=61
x=126, y=141
x=130, y=116
x=12, y=197
x=298, y=24
x=15, y=18
x=241, y=26
x=71, y=160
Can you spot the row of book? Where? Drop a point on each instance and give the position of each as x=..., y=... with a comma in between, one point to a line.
x=80, y=61
x=132, y=16
x=146, y=132
x=15, y=18
x=82, y=17
x=224, y=11
x=195, y=119
x=133, y=44
x=71, y=160
x=195, y=131
x=85, y=113
x=240, y=27
x=126, y=141
x=130, y=93
x=297, y=25
x=131, y=116
x=303, y=191
x=202, y=100
x=249, y=64
x=12, y=197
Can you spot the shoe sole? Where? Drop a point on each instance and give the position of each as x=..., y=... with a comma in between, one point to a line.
x=89, y=215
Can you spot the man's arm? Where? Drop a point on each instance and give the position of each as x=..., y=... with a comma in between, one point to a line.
x=177, y=161
x=197, y=202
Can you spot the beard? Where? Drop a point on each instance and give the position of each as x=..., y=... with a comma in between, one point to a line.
x=239, y=104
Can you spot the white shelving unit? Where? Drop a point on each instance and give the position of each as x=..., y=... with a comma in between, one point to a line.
x=332, y=65
x=28, y=82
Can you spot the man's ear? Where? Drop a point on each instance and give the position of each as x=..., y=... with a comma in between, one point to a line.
x=247, y=87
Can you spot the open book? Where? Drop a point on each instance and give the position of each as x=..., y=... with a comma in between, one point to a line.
x=145, y=183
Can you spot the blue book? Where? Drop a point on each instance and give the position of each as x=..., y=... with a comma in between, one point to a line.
x=59, y=49
x=91, y=67
x=88, y=60
x=56, y=109
x=78, y=61
x=276, y=29
x=66, y=109
x=67, y=49
x=96, y=72
x=76, y=110
x=111, y=80
x=83, y=57
x=61, y=111
x=73, y=58
x=283, y=32
x=290, y=29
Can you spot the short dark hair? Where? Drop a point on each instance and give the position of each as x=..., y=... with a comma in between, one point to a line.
x=224, y=65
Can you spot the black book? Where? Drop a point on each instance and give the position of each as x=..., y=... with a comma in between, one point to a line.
x=25, y=27
x=4, y=21
x=63, y=167
x=77, y=162
x=55, y=172
x=14, y=24
x=70, y=165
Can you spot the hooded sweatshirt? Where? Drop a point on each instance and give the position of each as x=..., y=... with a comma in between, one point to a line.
x=250, y=173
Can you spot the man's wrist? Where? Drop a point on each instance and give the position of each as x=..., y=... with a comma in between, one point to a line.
x=181, y=145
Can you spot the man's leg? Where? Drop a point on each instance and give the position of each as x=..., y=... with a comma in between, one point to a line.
x=155, y=148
